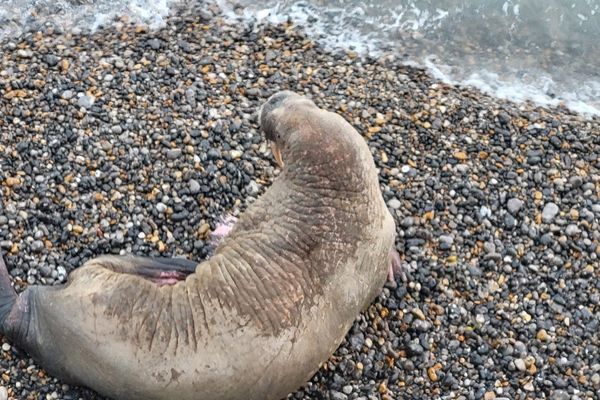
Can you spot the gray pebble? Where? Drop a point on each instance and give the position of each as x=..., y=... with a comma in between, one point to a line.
x=394, y=203
x=514, y=205
x=37, y=246
x=161, y=208
x=572, y=230
x=446, y=242
x=549, y=212
x=86, y=101
x=252, y=189
x=173, y=154
x=51, y=60
x=194, y=186
x=520, y=364
x=337, y=395
x=67, y=94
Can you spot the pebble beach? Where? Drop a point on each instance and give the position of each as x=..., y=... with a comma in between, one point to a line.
x=133, y=140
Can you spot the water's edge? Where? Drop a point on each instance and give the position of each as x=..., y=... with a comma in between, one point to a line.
x=536, y=86
x=349, y=28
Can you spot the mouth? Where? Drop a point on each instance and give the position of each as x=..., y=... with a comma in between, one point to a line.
x=277, y=154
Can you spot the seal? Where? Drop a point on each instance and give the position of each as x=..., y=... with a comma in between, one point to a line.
x=256, y=319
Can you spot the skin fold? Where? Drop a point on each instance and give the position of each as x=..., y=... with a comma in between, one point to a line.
x=256, y=319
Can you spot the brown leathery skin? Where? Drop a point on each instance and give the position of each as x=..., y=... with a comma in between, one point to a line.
x=257, y=319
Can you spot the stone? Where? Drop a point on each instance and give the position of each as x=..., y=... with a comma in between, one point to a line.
x=394, y=203
x=67, y=95
x=542, y=335
x=194, y=186
x=520, y=364
x=446, y=242
x=161, y=208
x=549, y=212
x=572, y=230
x=514, y=205
x=173, y=154
x=86, y=101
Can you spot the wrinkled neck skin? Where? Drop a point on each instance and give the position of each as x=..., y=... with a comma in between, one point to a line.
x=329, y=181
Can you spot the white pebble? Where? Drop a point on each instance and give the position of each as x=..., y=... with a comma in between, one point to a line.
x=394, y=203
x=161, y=207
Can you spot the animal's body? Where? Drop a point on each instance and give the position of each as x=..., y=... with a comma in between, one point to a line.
x=254, y=321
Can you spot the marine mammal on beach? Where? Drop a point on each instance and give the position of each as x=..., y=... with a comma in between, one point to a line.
x=255, y=320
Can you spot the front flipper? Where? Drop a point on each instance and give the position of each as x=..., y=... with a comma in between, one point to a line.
x=160, y=270
x=395, y=268
x=222, y=230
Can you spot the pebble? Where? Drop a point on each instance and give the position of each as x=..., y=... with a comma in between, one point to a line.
x=514, y=205
x=337, y=395
x=173, y=154
x=596, y=380
x=446, y=242
x=51, y=60
x=161, y=208
x=235, y=154
x=485, y=211
x=86, y=101
x=67, y=94
x=24, y=53
x=572, y=230
x=194, y=186
x=394, y=203
x=520, y=364
x=550, y=211
x=37, y=246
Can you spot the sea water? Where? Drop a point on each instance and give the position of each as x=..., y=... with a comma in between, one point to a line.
x=546, y=51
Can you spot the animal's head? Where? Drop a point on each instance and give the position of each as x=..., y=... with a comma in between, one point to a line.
x=284, y=117
x=316, y=145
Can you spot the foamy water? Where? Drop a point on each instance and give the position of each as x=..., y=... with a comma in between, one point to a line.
x=19, y=16
x=545, y=51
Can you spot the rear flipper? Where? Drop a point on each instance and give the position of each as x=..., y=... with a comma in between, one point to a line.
x=168, y=271
x=395, y=268
x=160, y=270
x=15, y=312
x=22, y=322
x=8, y=296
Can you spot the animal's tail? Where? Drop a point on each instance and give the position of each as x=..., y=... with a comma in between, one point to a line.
x=8, y=296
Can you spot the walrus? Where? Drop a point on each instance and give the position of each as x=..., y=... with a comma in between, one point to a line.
x=256, y=319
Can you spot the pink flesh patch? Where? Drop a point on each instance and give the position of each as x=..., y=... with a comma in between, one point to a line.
x=223, y=228
x=165, y=278
x=165, y=281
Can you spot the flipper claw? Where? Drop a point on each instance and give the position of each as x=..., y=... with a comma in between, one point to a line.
x=395, y=268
